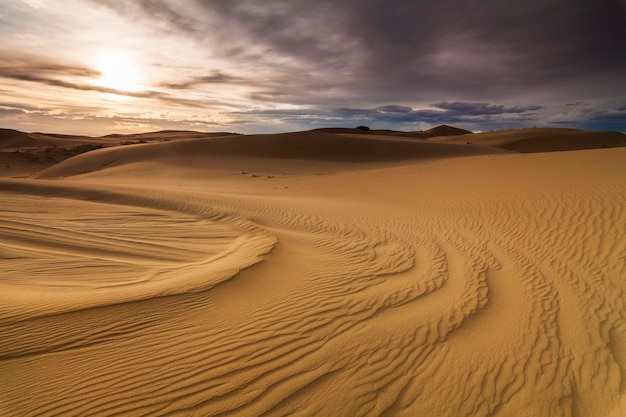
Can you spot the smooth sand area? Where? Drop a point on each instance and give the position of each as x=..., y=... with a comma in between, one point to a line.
x=315, y=274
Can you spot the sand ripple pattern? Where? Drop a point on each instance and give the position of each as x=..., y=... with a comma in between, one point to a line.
x=457, y=306
x=82, y=248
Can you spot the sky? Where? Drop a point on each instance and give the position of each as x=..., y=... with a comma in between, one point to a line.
x=96, y=67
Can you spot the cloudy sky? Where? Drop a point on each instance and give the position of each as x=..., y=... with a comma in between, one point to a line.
x=102, y=66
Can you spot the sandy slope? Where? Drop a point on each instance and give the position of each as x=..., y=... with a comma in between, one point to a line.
x=25, y=154
x=299, y=147
x=392, y=281
x=540, y=140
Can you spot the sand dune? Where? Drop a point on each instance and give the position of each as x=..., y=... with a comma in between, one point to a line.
x=309, y=146
x=443, y=130
x=14, y=139
x=25, y=154
x=106, y=247
x=541, y=140
x=363, y=277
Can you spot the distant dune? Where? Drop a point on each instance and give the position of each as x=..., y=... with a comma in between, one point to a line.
x=167, y=135
x=445, y=130
x=442, y=130
x=541, y=140
x=13, y=139
x=335, y=272
x=309, y=146
x=25, y=154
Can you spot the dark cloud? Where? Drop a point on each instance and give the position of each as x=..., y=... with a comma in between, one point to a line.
x=217, y=77
x=482, y=109
x=577, y=104
x=392, y=108
x=32, y=68
x=470, y=115
x=611, y=118
x=27, y=67
x=308, y=31
x=444, y=112
x=158, y=11
x=444, y=46
x=377, y=51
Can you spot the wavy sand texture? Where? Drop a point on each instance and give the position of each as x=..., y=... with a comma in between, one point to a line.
x=483, y=286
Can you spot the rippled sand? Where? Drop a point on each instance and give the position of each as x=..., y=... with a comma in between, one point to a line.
x=379, y=279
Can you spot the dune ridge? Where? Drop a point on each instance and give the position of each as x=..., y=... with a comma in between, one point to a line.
x=540, y=139
x=488, y=283
x=312, y=146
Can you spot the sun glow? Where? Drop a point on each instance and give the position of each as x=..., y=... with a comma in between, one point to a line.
x=118, y=72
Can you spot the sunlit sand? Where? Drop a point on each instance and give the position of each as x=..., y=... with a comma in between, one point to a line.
x=323, y=273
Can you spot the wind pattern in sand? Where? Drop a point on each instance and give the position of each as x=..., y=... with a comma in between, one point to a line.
x=205, y=302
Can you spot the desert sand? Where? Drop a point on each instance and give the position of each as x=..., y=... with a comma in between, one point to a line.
x=323, y=273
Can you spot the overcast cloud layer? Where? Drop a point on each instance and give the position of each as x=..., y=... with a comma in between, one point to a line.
x=280, y=65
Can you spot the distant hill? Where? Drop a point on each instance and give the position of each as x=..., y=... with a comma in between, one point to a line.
x=10, y=138
x=443, y=130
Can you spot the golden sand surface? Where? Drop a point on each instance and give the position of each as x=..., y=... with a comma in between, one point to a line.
x=315, y=274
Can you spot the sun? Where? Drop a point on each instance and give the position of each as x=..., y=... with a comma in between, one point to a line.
x=118, y=72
